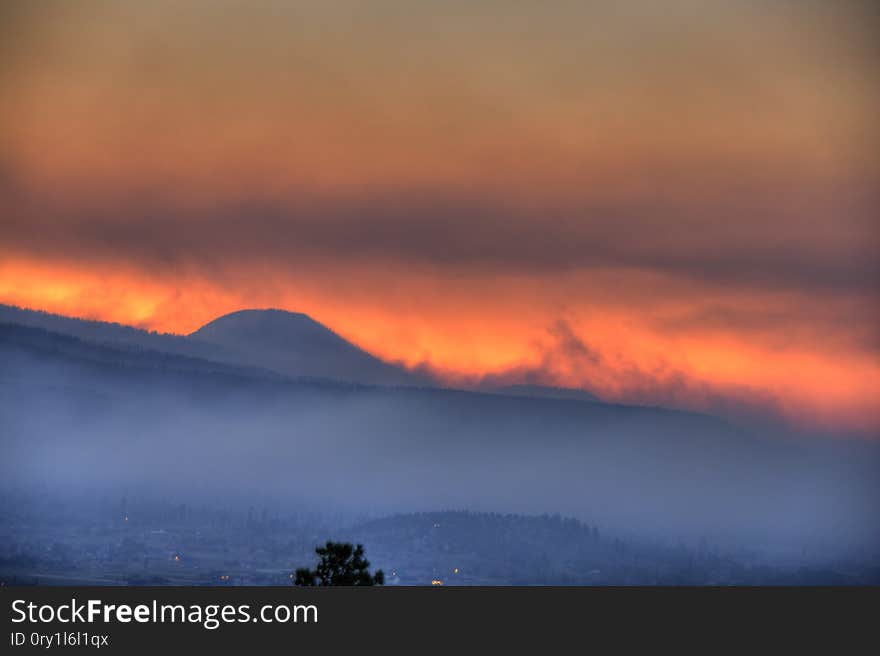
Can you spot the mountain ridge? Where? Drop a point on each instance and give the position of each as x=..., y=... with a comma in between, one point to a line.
x=299, y=346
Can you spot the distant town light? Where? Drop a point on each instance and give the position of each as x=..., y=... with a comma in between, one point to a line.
x=177, y=557
x=455, y=571
x=436, y=582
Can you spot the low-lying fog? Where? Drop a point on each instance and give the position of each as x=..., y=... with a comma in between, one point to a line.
x=91, y=427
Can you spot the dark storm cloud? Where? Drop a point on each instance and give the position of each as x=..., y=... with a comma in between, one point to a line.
x=745, y=245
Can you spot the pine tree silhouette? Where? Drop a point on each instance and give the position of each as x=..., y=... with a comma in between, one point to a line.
x=339, y=564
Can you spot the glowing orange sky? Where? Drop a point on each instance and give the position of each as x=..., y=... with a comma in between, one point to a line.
x=671, y=206
x=450, y=330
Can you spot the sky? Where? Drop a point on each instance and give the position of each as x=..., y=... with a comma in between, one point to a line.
x=665, y=203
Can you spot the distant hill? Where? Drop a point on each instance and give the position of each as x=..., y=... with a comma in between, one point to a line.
x=472, y=548
x=295, y=344
x=479, y=548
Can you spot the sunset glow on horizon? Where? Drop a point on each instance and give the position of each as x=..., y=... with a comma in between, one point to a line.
x=674, y=207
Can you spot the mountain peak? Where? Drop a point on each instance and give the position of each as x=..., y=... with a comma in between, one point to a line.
x=246, y=321
x=295, y=344
x=262, y=314
x=266, y=313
